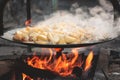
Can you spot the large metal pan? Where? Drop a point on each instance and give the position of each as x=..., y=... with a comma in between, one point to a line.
x=9, y=36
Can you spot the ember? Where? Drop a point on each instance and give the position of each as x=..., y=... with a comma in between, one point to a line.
x=62, y=65
x=27, y=22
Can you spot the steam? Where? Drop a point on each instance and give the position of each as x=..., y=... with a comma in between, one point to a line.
x=96, y=20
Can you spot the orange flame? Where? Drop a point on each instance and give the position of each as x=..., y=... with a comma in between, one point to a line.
x=63, y=65
x=58, y=49
x=25, y=77
x=88, y=61
x=27, y=22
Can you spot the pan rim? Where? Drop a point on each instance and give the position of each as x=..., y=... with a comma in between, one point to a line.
x=5, y=37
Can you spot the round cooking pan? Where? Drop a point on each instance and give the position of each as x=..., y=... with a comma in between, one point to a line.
x=9, y=36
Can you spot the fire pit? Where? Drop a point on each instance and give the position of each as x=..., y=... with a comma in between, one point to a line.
x=59, y=64
x=55, y=62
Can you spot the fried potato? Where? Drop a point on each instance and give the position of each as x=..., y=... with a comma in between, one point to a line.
x=33, y=36
x=18, y=36
x=42, y=37
x=62, y=40
x=42, y=42
x=69, y=39
x=58, y=33
x=53, y=38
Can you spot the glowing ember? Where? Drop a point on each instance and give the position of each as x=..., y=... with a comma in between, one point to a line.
x=58, y=49
x=28, y=22
x=88, y=61
x=63, y=65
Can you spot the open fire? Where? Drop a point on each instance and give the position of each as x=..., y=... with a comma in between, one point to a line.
x=63, y=65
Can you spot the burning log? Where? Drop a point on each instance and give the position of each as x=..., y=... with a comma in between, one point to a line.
x=34, y=72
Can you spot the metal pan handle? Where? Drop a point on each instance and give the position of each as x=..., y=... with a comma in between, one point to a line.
x=2, y=6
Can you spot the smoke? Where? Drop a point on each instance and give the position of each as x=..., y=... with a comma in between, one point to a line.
x=117, y=25
x=95, y=20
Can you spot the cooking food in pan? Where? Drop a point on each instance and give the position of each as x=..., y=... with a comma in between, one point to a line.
x=60, y=33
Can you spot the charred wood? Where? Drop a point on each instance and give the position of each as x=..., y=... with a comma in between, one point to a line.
x=34, y=72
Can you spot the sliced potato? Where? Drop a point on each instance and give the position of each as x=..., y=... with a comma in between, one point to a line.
x=75, y=34
x=58, y=33
x=61, y=40
x=25, y=37
x=42, y=37
x=18, y=36
x=33, y=36
x=53, y=38
x=78, y=41
x=42, y=42
x=69, y=39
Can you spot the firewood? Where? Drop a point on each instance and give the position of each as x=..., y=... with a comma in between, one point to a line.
x=34, y=72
